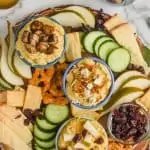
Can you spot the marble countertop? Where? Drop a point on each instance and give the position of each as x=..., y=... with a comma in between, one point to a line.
x=139, y=10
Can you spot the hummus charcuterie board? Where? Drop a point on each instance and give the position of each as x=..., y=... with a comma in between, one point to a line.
x=74, y=78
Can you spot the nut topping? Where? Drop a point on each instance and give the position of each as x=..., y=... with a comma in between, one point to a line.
x=41, y=38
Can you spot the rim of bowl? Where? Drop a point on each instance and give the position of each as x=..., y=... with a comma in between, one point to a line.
x=65, y=123
x=106, y=99
x=26, y=61
x=109, y=124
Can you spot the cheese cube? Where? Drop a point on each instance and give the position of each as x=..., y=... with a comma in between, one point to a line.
x=68, y=137
x=91, y=129
x=16, y=97
x=33, y=97
x=80, y=146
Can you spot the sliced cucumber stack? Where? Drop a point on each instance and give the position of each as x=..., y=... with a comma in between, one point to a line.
x=89, y=39
x=42, y=135
x=106, y=48
x=45, y=128
x=119, y=59
x=43, y=124
x=99, y=42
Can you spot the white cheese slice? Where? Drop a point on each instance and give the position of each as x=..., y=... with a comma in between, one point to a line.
x=91, y=129
x=80, y=146
x=68, y=137
x=88, y=138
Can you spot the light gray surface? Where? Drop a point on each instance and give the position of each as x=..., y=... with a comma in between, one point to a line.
x=136, y=13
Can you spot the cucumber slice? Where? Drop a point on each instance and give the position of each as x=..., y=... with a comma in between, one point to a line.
x=89, y=39
x=45, y=144
x=106, y=48
x=99, y=41
x=56, y=113
x=40, y=134
x=45, y=125
x=119, y=59
x=36, y=147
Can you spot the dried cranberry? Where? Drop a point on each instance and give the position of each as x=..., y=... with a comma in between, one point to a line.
x=84, y=132
x=133, y=123
x=26, y=122
x=41, y=84
x=128, y=122
x=28, y=113
x=99, y=140
x=77, y=138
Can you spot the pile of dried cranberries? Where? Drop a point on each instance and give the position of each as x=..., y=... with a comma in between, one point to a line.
x=129, y=123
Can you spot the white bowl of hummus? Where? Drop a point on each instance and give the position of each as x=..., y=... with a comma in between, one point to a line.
x=88, y=83
x=40, y=41
x=81, y=133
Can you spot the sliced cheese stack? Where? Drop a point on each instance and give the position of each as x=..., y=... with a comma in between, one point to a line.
x=13, y=132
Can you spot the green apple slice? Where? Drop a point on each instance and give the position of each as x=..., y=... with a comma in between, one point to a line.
x=85, y=13
x=124, y=95
x=69, y=18
x=21, y=67
x=6, y=73
x=11, y=46
x=126, y=77
x=141, y=83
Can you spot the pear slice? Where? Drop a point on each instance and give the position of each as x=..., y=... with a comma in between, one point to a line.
x=11, y=46
x=21, y=67
x=15, y=64
x=141, y=83
x=6, y=73
x=124, y=95
x=122, y=79
x=69, y=18
x=85, y=13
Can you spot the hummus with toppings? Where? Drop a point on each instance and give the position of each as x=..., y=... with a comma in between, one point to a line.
x=88, y=82
x=83, y=134
x=41, y=41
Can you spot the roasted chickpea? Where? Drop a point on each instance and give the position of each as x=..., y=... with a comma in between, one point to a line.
x=48, y=29
x=36, y=25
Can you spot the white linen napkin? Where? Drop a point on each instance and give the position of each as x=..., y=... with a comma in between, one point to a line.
x=138, y=13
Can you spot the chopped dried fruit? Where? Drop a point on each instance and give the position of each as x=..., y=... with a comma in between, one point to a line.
x=99, y=140
x=77, y=138
x=50, y=80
